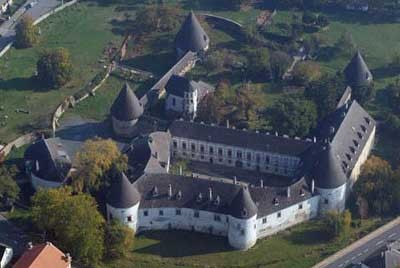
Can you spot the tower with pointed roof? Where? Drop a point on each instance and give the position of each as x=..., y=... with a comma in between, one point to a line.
x=242, y=232
x=125, y=112
x=191, y=37
x=330, y=179
x=357, y=73
x=123, y=201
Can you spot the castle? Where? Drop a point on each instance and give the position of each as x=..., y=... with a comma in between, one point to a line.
x=246, y=185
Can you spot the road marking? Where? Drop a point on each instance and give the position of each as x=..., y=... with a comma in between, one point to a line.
x=390, y=236
x=380, y=242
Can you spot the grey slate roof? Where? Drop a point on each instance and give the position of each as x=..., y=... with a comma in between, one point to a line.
x=178, y=85
x=122, y=193
x=230, y=200
x=238, y=138
x=328, y=172
x=191, y=36
x=346, y=98
x=242, y=206
x=126, y=106
x=348, y=129
x=357, y=72
x=53, y=161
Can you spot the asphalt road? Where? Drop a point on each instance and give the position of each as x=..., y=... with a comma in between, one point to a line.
x=7, y=29
x=367, y=249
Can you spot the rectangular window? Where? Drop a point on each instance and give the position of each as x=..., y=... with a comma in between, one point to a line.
x=193, y=147
x=267, y=159
x=220, y=151
x=249, y=156
x=258, y=158
x=264, y=220
x=178, y=212
x=184, y=145
x=300, y=206
x=196, y=214
x=239, y=154
x=229, y=153
x=202, y=148
x=326, y=201
x=211, y=150
x=161, y=212
x=279, y=215
x=220, y=160
x=129, y=218
x=175, y=144
x=242, y=232
x=145, y=213
x=110, y=216
x=173, y=102
x=217, y=218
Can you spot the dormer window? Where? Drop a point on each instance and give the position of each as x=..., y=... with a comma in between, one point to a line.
x=356, y=143
x=217, y=200
x=360, y=135
x=348, y=157
x=367, y=120
x=179, y=195
x=275, y=201
x=363, y=128
x=154, y=192
x=302, y=193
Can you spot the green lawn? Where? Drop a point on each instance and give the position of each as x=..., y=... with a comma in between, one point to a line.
x=85, y=30
x=300, y=246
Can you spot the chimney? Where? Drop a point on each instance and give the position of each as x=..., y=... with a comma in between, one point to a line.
x=312, y=186
x=262, y=183
x=30, y=245
x=227, y=123
x=210, y=194
x=234, y=180
x=169, y=190
x=68, y=258
x=288, y=192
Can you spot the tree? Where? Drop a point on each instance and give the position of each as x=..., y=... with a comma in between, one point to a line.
x=54, y=68
x=26, y=34
x=119, y=239
x=325, y=92
x=258, y=63
x=378, y=184
x=293, y=116
x=309, y=17
x=210, y=110
x=214, y=62
x=279, y=62
x=345, y=44
x=393, y=92
x=72, y=220
x=322, y=21
x=9, y=189
x=305, y=72
x=156, y=17
x=95, y=163
x=337, y=224
x=363, y=94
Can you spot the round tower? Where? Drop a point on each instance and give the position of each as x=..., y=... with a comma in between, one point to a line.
x=191, y=37
x=357, y=72
x=125, y=112
x=242, y=232
x=330, y=180
x=123, y=202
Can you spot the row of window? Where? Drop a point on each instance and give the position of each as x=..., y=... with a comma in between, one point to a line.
x=178, y=212
x=279, y=214
x=239, y=154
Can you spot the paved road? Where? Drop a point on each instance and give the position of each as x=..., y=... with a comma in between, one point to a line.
x=7, y=31
x=364, y=248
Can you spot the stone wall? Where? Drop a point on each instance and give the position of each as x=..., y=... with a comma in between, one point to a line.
x=17, y=143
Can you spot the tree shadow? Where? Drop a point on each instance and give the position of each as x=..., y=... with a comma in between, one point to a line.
x=172, y=244
x=327, y=53
x=310, y=236
x=121, y=27
x=21, y=84
x=158, y=64
x=385, y=72
x=82, y=131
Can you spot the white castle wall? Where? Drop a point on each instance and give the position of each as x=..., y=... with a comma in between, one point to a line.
x=242, y=233
x=363, y=157
x=38, y=183
x=289, y=216
x=205, y=223
x=332, y=199
x=128, y=216
x=123, y=128
x=179, y=103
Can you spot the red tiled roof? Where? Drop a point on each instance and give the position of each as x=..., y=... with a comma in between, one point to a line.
x=44, y=255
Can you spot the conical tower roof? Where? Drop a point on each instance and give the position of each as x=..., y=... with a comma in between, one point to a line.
x=328, y=172
x=122, y=193
x=126, y=106
x=242, y=206
x=191, y=36
x=357, y=72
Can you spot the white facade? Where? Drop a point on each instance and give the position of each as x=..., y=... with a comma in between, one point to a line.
x=232, y=156
x=242, y=233
x=38, y=183
x=332, y=199
x=174, y=103
x=123, y=128
x=127, y=216
x=186, y=105
x=287, y=217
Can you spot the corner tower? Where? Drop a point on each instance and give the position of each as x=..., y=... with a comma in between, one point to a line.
x=242, y=232
x=123, y=202
x=357, y=73
x=191, y=37
x=125, y=112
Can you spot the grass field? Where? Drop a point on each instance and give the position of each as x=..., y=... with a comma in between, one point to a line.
x=300, y=247
x=85, y=30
